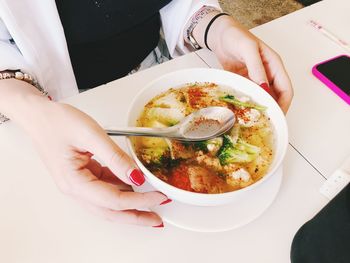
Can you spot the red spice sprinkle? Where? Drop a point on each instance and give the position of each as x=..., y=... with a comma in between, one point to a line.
x=195, y=95
x=241, y=113
x=204, y=123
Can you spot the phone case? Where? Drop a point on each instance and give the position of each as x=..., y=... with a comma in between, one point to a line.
x=329, y=83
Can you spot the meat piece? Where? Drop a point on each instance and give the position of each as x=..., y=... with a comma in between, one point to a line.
x=179, y=151
x=241, y=174
x=239, y=178
x=209, y=161
x=204, y=181
x=196, y=179
x=249, y=118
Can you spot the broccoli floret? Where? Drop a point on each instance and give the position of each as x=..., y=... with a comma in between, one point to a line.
x=169, y=163
x=232, y=100
x=212, y=145
x=225, y=150
x=155, y=155
x=240, y=152
x=201, y=146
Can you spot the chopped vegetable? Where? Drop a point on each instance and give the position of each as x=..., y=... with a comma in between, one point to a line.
x=212, y=145
x=232, y=100
x=235, y=132
x=169, y=117
x=249, y=148
x=201, y=146
x=170, y=101
x=154, y=155
x=240, y=152
x=168, y=162
x=153, y=142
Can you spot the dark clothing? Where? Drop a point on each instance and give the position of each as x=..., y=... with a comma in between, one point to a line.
x=308, y=2
x=108, y=38
x=325, y=238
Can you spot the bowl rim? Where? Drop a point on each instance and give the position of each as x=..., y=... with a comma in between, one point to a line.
x=196, y=194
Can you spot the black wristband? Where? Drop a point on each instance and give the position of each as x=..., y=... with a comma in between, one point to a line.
x=208, y=27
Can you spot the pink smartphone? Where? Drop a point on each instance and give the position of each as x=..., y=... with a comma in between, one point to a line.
x=335, y=74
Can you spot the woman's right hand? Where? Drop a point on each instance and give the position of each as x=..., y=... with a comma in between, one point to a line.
x=66, y=140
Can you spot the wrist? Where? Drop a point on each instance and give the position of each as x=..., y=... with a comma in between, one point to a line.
x=20, y=101
x=218, y=30
x=197, y=20
x=40, y=111
x=199, y=30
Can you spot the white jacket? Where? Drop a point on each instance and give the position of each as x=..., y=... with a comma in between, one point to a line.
x=40, y=48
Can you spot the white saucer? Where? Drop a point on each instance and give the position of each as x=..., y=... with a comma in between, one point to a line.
x=245, y=209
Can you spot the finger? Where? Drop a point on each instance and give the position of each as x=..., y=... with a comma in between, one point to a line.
x=276, y=71
x=236, y=66
x=255, y=65
x=81, y=160
x=106, y=175
x=243, y=72
x=115, y=159
x=78, y=160
x=283, y=88
x=284, y=101
x=133, y=217
x=109, y=196
x=109, y=177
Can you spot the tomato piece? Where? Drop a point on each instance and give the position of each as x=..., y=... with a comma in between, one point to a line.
x=180, y=178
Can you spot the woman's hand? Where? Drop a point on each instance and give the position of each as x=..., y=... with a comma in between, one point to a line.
x=66, y=140
x=241, y=52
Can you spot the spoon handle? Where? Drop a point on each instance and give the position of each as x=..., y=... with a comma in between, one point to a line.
x=141, y=131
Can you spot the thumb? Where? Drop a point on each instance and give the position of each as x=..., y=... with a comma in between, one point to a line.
x=115, y=159
x=255, y=66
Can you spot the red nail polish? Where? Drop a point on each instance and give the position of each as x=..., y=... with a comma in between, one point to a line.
x=265, y=86
x=166, y=202
x=161, y=225
x=49, y=97
x=136, y=177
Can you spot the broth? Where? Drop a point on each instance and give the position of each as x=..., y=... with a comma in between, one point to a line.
x=233, y=161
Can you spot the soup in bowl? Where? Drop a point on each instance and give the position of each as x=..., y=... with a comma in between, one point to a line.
x=215, y=171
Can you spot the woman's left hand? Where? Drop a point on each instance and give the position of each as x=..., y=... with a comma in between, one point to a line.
x=241, y=52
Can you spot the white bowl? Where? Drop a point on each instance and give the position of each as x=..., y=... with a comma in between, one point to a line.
x=229, y=80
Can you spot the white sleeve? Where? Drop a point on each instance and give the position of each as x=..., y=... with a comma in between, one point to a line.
x=10, y=56
x=174, y=17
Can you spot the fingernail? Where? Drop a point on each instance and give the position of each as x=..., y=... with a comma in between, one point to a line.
x=161, y=225
x=166, y=202
x=265, y=86
x=49, y=97
x=136, y=177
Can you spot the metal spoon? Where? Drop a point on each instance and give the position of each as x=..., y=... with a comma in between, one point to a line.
x=204, y=124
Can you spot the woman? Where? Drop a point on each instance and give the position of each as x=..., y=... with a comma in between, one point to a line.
x=66, y=45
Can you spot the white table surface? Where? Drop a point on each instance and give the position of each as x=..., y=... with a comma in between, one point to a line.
x=319, y=121
x=39, y=224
